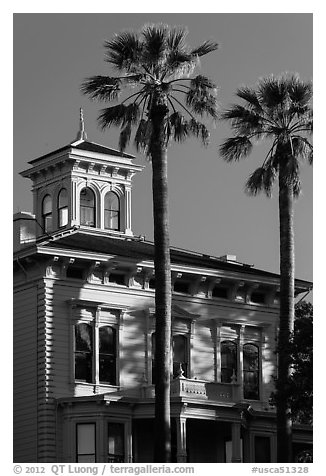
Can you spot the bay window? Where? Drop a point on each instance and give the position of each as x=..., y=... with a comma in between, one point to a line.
x=95, y=364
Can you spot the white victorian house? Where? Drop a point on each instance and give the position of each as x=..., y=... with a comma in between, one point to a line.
x=84, y=329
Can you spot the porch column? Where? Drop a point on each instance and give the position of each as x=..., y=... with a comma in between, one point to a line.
x=181, y=440
x=240, y=373
x=128, y=438
x=236, y=443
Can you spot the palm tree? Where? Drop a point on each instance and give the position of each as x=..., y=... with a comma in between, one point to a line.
x=163, y=105
x=279, y=111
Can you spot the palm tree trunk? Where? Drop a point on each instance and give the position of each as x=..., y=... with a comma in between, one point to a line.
x=284, y=423
x=162, y=450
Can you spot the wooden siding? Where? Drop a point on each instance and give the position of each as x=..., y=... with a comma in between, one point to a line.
x=25, y=375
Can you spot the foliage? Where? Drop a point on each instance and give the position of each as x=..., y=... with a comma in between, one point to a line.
x=301, y=347
x=279, y=110
x=156, y=62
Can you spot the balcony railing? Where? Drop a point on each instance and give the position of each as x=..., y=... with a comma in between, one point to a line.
x=199, y=390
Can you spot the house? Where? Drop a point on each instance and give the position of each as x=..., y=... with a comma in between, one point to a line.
x=84, y=329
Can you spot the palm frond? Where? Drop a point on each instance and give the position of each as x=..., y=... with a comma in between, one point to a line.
x=179, y=126
x=269, y=178
x=124, y=51
x=303, y=148
x=299, y=91
x=205, y=48
x=296, y=187
x=119, y=115
x=235, y=148
x=143, y=134
x=124, y=137
x=103, y=88
x=272, y=92
x=201, y=82
x=249, y=95
x=199, y=130
x=178, y=64
x=245, y=121
x=176, y=38
x=255, y=183
x=200, y=99
x=154, y=44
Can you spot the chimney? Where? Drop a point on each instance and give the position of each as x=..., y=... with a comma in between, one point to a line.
x=24, y=230
x=229, y=258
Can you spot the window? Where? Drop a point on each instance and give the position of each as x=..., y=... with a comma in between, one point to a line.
x=87, y=207
x=95, y=365
x=83, y=352
x=85, y=443
x=262, y=449
x=111, y=211
x=116, y=443
x=107, y=354
x=258, y=297
x=47, y=214
x=180, y=355
x=117, y=278
x=228, y=361
x=63, y=208
x=220, y=292
x=251, y=371
x=181, y=287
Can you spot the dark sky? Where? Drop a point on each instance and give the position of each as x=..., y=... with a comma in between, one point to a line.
x=209, y=211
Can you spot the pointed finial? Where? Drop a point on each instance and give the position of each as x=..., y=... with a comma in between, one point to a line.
x=81, y=133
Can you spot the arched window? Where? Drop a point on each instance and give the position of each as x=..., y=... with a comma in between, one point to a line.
x=180, y=355
x=107, y=354
x=47, y=214
x=83, y=352
x=63, y=208
x=251, y=371
x=87, y=207
x=228, y=361
x=111, y=211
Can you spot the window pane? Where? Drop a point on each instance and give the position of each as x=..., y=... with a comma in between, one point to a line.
x=228, y=361
x=83, y=333
x=180, y=358
x=47, y=223
x=179, y=348
x=116, y=446
x=47, y=205
x=63, y=216
x=251, y=371
x=107, y=340
x=83, y=352
x=87, y=198
x=86, y=442
x=111, y=201
x=87, y=216
x=111, y=220
x=87, y=207
x=250, y=357
x=111, y=211
x=83, y=366
x=107, y=354
x=107, y=369
x=63, y=198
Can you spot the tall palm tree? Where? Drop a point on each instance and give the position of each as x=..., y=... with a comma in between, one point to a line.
x=165, y=99
x=279, y=111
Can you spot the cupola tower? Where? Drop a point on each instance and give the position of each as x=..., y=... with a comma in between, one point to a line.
x=82, y=184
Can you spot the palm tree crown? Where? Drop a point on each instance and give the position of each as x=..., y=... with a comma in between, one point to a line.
x=279, y=109
x=156, y=65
